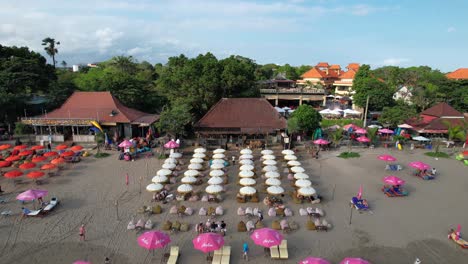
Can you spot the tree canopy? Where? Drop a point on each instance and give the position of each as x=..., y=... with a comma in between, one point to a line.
x=308, y=119
x=365, y=84
x=398, y=114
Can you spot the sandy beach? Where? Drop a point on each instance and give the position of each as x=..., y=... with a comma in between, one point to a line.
x=396, y=230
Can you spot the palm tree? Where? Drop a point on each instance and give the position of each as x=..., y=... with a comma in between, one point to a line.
x=372, y=134
x=456, y=132
x=51, y=48
x=336, y=137
x=124, y=63
x=64, y=64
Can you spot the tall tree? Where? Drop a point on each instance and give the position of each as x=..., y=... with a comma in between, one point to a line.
x=398, y=114
x=238, y=77
x=365, y=84
x=308, y=119
x=51, y=48
x=174, y=120
x=64, y=64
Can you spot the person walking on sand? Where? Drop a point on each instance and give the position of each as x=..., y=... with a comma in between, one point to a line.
x=233, y=160
x=245, y=251
x=82, y=232
x=107, y=260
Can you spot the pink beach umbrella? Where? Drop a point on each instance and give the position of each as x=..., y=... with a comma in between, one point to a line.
x=171, y=144
x=419, y=165
x=208, y=242
x=350, y=126
x=458, y=232
x=361, y=131
x=266, y=237
x=126, y=144
x=312, y=260
x=363, y=139
x=30, y=195
x=354, y=261
x=385, y=131
x=393, y=180
x=386, y=157
x=359, y=195
x=81, y=262
x=153, y=240
x=321, y=141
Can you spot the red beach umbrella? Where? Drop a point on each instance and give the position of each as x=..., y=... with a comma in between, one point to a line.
x=57, y=161
x=50, y=154
x=76, y=148
x=5, y=163
x=25, y=153
x=20, y=147
x=61, y=147
x=35, y=174
x=5, y=147
x=39, y=159
x=13, y=174
x=27, y=165
x=48, y=166
x=37, y=147
x=67, y=154
x=13, y=158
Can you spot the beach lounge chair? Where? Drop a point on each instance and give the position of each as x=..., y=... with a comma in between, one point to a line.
x=293, y=225
x=250, y=225
x=303, y=212
x=131, y=225
x=202, y=211
x=248, y=211
x=140, y=224
x=173, y=256
x=34, y=213
x=259, y=225
x=241, y=227
x=271, y=212
x=359, y=204
x=283, y=249
x=175, y=226
x=51, y=205
x=166, y=226
x=217, y=255
x=226, y=257
x=149, y=224
x=173, y=210
x=184, y=227
x=219, y=210
x=284, y=226
x=156, y=209
x=288, y=212
x=240, y=211
x=274, y=252
x=188, y=211
x=322, y=226
x=461, y=242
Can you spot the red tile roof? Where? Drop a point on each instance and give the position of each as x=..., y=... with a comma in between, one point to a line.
x=459, y=74
x=353, y=66
x=99, y=106
x=323, y=64
x=442, y=109
x=241, y=115
x=314, y=73
x=348, y=74
x=335, y=67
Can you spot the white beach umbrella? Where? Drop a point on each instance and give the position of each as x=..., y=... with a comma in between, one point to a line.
x=246, y=174
x=293, y=163
x=216, y=173
x=169, y=166
x=247, y=182
x=290, y=157
x=246, y=156
x=267, y=152
x=269, y=162
x=287, y=152
x=191, y=173
x=199, y=155
x=217, y=166
x=159, y=179
x=170, y=160
x=306, y=191
x=199, y=150
x=154, y=187
x=175, y=155
x=301, y=176
x=247, y=190
x=297, y=169
x=214, y=189
x=303, y=183
x=272, y=174
x=246, y=162
x=273, y=182
x=188, y=179
x=164, y=172
x=195, y=166
x=270, y=168
x=246, y=167
x=184, y=188
x=275, y=190
x=219, y=151
x=215, y=180
x=268, y=157
x=218, y=161
x=246, y=151
x=219, y=156
x=197, y=160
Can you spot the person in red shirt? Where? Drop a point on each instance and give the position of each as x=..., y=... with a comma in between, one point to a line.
x=82, y=232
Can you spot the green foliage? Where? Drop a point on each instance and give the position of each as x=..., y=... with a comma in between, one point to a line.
x=288, y=71
x=20, y=128
x=99, y=139
x=347, y=155
x=341, y=122
x=372, y=134
x=308, y=119
x=456, y=132
x=51, y=48
x=437, y=154
x=238, y=77
x=265, y=72
x=302, y=69
x=100, y=155
x=336, y=137
x=380, y=95
x=398, y=114
x=174, y=120
x=399, y=138
x=293, y=125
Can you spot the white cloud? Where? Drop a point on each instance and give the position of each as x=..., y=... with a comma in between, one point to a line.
x=395, y=61
x=451, y=29
x=106, y=37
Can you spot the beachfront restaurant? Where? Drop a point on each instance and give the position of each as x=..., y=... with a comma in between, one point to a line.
x=84, y=113
x=235, y=122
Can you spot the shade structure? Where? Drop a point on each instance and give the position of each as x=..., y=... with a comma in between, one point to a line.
x=350, y=127
x=246, y=162
x=164, y=172
x=297, y=169
x=293, y=163
x=290, y=157
x=363, y=139
x=275, y=190
x=270, y=168
x=188, y=180
x=306, y=191
x=199, y=150
x=246, y=174
x=215, y=180
x=208, y=242
x=301, y=175
x=39, y=159
x=246, y=167
x=246, y=151
x=303, y=183
x=126, y=144
x=153, y=240
x=175, y=155
x=5, y=147
x=170, y=161
x=199, y=155
x=197, y=160
x=184, y=188
x=35, y=174
x=169, y=166
x=159, y=179
x=266, y=237
x=419, y=165
x=247, y=182
x=386, y=131
x=405, y=126
x=20, y=147
x=267, y=152
x=287, y=152
x=191, y=173
x=63, y=147
x=246, y=156
x=386, y=157
x=171, y=145
x=421, y=138
x=5, y=163
x=219, y=151
x=269, y=162
x=219, y=156
x=393, y=180
x=25, y=153
x=48, y=166
x=354, y=261
x=27, y=165
x=273, y=182
x=58, y=161
x=321, y=141
x=361, y=131
x=50, y=154
x=217, y=166
x=214, y=189
x=13, y=174
x=76, y=148
x=272, y=174
x=216, y=173
x=37, y=147
x=268, y=157
x=13, y=158
x=218, y=161
x=31, y=194
x=247, y=190
x=154, y=187
x=313, y=260
x=195, y=166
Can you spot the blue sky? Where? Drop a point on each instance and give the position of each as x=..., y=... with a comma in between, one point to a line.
x=379, y=32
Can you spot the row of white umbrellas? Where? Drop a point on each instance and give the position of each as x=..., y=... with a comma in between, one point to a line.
x=246, y=173
x=271, y=173
x=162, y=175
x=302, y=179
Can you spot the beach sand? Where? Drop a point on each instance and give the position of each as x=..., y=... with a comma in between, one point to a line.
x=396, y=230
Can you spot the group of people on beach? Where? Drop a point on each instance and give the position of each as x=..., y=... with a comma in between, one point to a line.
x=212, y=226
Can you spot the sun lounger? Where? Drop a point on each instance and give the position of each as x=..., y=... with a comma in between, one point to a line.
x=274, y=252
x=226, y=257
x=248, y=211
x=283, y=249
x=217, y=258
x=173, y=256
x=131, y=225
x=52, y=204
x=140, y=224
x=250, y=225
x=461, y=242
x=359, y=204
x=149, y=224
x=34, y=213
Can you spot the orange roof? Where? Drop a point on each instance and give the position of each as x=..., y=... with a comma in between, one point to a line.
x=314, y=73
x=348, y=74
x=353, y=66
x=323, y=64
x=335, y=67
x=461, y=73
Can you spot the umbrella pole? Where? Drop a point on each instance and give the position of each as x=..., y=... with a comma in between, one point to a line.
x=351, y=215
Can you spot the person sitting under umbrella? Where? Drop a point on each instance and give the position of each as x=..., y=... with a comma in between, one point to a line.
x=25, y=211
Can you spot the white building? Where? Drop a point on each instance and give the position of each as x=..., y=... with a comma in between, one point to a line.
x=404, y=93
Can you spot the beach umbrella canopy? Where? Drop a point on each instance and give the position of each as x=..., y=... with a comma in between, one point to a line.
x=215, y=180
x=268, y=157
x=421, y=138
x=301, y=175
x=199, y=155
x=287, y=152
x=199, y=150
x=164, y=172
x=247, y=190
x=20, y=147
x=246, y=156
x=188, y=180
x=270, y=168
x=57, y=161
x=354, y=261
x=13, y=174
x=351, y=127
x=419, y=165
x=35, y=174
x=272, y=174
x=361, y=131
x=219, y=156
x=62, y=147
x=266, y=237
x=275, y=190
x=312, y=260
x=31, y=194
x=5, y=163
x=306, y=191
x=293, y=163
x=48, y=166
x=175, y=155
x=153, y=240
x=27, y=165
x=154, y=187
x=246, y=174
x=363, y=139
x=386, y=157
x=25, y=153
x=50, y=154
x=208, y=242
x=37, y=147
x=393, y=180
x=297, y=169
x=218, y=161
x=404, y=126
x=321, y=141
x=219, y=151
x=246, y=162
x=76, y=148
x=273, y=182
x=170, y=161
x=267, y=152
x=5, y=147
x=197, y=160
x=246, y=167
x=159, y=179
x=290, y=157
x=171, y=145
x=216, y=173
x=303, y=183
x=39, y=159
x=191, y=173
x=67, y=154
x=184, y=188
x=269, y=162
x=214, y=189
x=246, y=151
x=247, y=182
x=385, y=131
x=217, y=166
x=13, y=158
